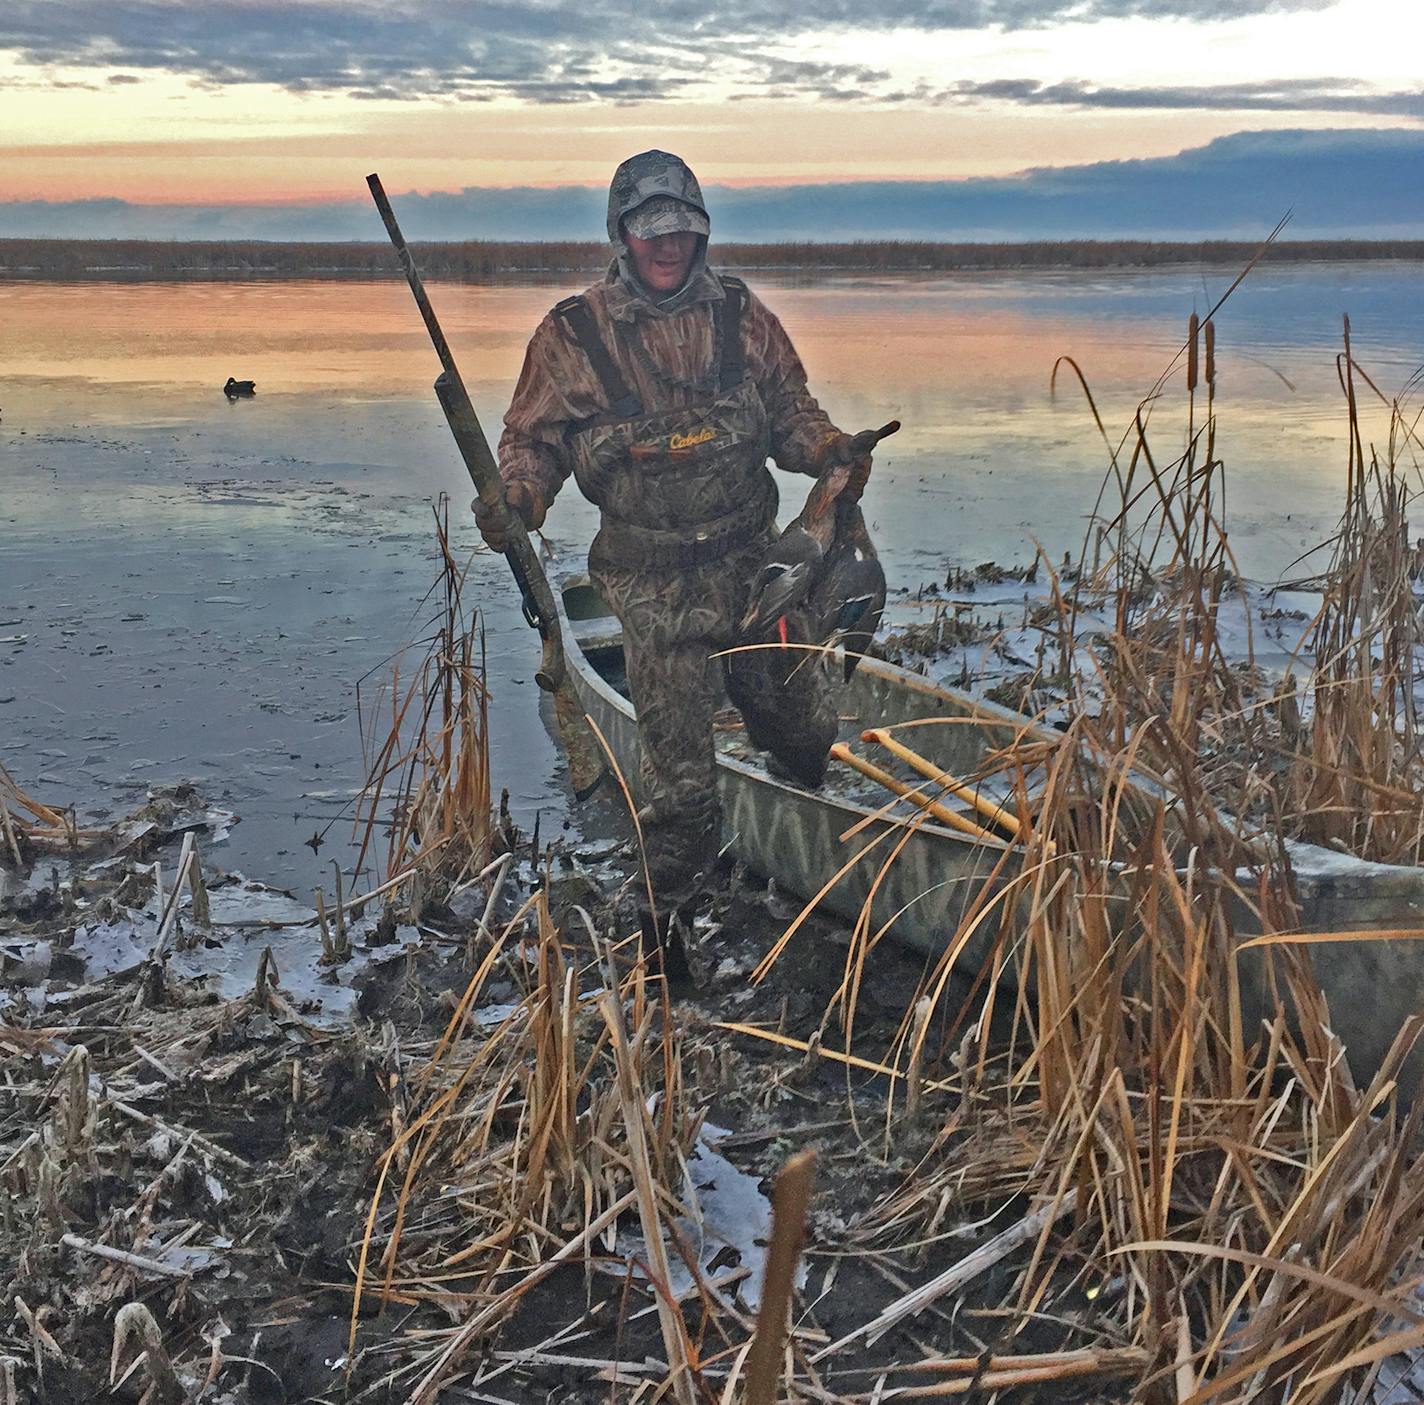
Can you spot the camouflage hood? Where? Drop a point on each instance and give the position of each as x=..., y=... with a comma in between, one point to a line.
x=661, y=178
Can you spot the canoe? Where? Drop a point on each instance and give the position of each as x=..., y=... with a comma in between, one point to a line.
x=793, y=835
x=781, y=830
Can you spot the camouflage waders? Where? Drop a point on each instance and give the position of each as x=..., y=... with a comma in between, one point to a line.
x=688, y=508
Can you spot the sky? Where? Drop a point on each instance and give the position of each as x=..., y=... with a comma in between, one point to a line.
x=233, y=117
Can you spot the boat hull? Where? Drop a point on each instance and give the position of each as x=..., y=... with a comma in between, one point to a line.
x=919, y=883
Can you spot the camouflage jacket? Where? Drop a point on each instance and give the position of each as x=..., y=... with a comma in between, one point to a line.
x=558, y=389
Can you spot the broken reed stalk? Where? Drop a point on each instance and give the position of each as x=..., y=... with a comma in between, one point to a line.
x=791, y=1198
x=997, y=1373
x=12, y=843
x=135, y=1326
x=1088, y=1361
x=137, y=1262
x=41, y=827
x=914, y=1076
x=958, y=1276
x=169, y=918
x=809, y=1049
x=12, y=795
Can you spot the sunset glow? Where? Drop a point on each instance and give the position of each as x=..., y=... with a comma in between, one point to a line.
x=236, y=103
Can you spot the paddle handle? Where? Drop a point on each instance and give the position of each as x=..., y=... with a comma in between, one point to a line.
x=841, y=752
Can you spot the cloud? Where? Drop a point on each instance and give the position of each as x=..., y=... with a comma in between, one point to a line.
x=1340, y=184
x=554, y=51
x=1280, y=95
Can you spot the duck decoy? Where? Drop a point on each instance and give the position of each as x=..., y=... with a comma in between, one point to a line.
x=235, y=388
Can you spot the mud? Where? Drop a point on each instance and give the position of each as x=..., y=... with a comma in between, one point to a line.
x=231, y=1134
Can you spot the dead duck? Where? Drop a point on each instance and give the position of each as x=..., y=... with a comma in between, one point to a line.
x=794, y=564
x=235, y=388
x=787, y=573
x=848, y=597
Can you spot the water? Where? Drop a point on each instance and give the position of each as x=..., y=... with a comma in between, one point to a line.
x=197, y=589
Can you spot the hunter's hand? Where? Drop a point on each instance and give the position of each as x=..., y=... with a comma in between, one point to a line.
x=520, y=500
x=854, y=450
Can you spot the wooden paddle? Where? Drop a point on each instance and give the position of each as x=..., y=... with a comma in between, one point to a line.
x=991, y=809
x=841, y=752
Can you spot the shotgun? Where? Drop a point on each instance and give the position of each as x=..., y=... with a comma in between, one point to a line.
x=537, y=600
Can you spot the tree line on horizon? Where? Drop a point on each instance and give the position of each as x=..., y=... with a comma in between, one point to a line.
x=479, y=260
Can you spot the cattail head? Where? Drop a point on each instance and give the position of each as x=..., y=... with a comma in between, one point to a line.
x=1192, y=353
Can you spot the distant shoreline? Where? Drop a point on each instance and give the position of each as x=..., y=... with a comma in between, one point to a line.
x=127, y=260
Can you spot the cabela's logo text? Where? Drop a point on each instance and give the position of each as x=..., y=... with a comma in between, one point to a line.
x=691, y=441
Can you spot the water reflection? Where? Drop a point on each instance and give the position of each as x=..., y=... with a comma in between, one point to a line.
x=198, y=585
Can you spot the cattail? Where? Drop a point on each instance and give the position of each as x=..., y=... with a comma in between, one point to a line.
x=1192, y=353
x=1210, y=355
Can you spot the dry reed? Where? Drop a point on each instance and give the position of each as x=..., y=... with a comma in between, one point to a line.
x=427, y=744
x=1247, y=1219
x=525, y=1137
x=1357, y=779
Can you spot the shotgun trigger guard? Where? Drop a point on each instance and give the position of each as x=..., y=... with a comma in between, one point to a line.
x=527, y=602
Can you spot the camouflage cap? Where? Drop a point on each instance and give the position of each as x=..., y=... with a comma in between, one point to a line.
x=665, y=214
x=661, y=176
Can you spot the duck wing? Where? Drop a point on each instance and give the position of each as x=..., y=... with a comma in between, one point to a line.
x=849, y=596
x=785, y=578
x=861, y=610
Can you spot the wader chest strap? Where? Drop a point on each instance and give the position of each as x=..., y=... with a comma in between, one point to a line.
x=622, y=402
x=729, y=315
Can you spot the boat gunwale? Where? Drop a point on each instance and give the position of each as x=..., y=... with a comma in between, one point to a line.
x=1313, y=863
x=750, y=771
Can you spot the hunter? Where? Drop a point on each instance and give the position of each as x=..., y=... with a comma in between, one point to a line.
x=663, y=389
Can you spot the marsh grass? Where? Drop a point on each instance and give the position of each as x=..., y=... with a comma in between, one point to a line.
x=1356, y=781
x=522, y=1143
x=1245, y=1218
x=1194, y=1198
x=426, y=741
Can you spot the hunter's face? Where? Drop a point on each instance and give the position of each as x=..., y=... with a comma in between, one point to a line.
x=662, y=263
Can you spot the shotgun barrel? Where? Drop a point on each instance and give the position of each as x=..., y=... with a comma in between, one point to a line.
x=537, y=599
